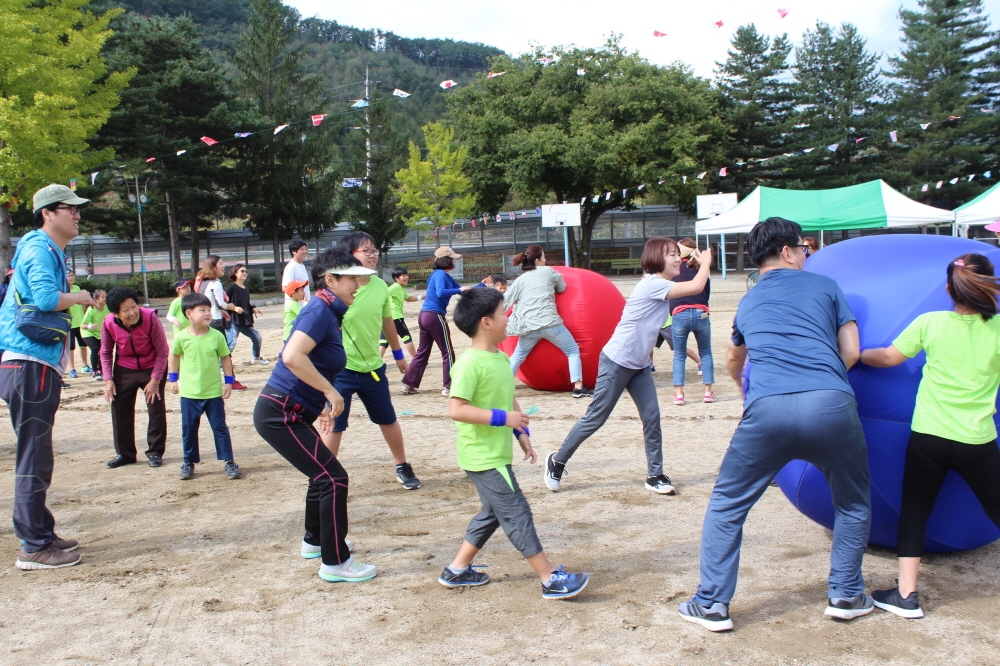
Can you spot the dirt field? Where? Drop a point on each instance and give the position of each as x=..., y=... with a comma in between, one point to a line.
x=207, y=571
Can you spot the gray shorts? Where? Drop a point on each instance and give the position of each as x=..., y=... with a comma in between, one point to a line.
x=504, y=505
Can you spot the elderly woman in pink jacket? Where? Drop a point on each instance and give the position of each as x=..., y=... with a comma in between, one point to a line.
x=134, y=356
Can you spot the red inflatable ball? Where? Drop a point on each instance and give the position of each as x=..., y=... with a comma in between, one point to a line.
x=590, y=307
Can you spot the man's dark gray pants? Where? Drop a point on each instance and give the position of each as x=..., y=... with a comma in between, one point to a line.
x=31, y=391
x=820, y=427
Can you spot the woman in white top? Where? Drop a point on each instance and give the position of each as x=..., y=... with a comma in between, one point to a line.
x=625, y=364
x=211, y=286
x=535, y=317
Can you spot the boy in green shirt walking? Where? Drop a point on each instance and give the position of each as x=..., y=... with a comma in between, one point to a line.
x=201, y=347
x=482, y=404
x=398, y=296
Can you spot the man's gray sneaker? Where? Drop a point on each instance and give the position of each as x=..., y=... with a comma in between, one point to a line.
x=48, y=558
x=233, y=470
x=848, y=609
x=714, y=618
x=469, y=577
x=894, y=602
x=553, y=472
x=187, y=471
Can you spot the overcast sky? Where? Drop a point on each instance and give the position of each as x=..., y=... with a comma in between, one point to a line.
x=692, y=37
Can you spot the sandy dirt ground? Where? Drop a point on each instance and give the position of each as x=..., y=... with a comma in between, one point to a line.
x=207, y=571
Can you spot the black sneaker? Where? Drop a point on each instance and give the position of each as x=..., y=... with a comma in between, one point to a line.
x=848, y=609
x=553, y=472
x=894, y=602
x=564, y=585
x=469, y=577
x=714, y=618
x=155, y=460
x=583, y=392
x=233, y=470
x=405, y=475
x=187, y=471
x=660, y=484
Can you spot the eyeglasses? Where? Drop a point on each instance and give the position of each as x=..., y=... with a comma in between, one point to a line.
x=73, y=210
x=805, y=248
x=370, y=252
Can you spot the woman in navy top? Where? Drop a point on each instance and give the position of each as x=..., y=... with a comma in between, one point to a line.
x=300, y=392
x=433, y=325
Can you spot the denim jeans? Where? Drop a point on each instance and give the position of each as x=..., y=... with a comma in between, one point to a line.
x=251, y=333
x=691, y=321
x=215, y=410
x=557, y=335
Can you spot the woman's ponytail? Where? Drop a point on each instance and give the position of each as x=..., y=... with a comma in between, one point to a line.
x=972, y=284
x=526, y=260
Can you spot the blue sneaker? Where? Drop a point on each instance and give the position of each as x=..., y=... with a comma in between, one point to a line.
x=564, y=585
x=714, y=618
x=311, y=552
x=87, y=370
x=347, y=572
x=72, y=374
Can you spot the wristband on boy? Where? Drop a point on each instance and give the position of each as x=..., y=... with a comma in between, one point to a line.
x=172, y=376
x=398, y=354
x=518, y=433
x=229, y=379
x=499, y=418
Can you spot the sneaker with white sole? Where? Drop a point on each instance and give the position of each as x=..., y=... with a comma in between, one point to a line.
x=405, y=475
x=259, y=361
x=311, y=552
x=848, y=609
x=710, y=396
x=894, y=602
x=714, y=618
x=564, y=585
x=233, y=470
x=660, y=484
x=347, y=572
x=187, y=471
x=49, y=557
x=407, y=390
x=446, y=393
x=553, y=472
x=469, y=577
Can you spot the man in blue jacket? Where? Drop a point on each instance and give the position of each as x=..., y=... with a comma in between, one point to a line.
x=30, y=372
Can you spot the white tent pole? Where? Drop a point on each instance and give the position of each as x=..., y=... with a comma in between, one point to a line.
x=821, y=245
x=722, y=251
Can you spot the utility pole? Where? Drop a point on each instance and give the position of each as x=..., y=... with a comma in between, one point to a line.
x=368, y=135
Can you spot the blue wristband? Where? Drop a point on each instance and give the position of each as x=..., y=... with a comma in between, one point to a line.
x=499, y=418
x=172, y=376
x=229, y=379
x=518, y=433
x=398, y=354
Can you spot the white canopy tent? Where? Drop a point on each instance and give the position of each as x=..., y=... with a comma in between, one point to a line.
x=984, y=209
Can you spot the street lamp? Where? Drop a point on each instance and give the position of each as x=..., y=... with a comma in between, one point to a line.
x=138, y=199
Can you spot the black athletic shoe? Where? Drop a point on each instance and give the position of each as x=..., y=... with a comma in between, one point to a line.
x=660, y=484
x=118, y=461
x=848, y=609
x=233, y=470
x=405, y=475
x=469, y=577
x=714, y=618
x=564, y=585
x=155, y=460
x=894, y=602
x=583, y=392
x=553, y=472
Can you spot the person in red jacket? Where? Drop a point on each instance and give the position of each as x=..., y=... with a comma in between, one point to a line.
x=134, y=354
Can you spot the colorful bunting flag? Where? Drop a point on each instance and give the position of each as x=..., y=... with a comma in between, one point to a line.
x=783, y=12
x=608, y=197
x=860, y=140
x=151, y=159
x=657, y=33
x=317, y=119
x=596, y=198
x=93, y=177
x=988, y=174
x=924, y=188
x=833, y=147
x=971, y=176
x=624, y=193
x=72, y=184
x=939, y=184
x=892, y=135
x=243, y=135
x=580, y=71
x=180, y=152
x=544, y=60
x=447, y=84
x=719, y=24
x=400, y=93
x=722, y=172
x=493, y=75
x=538, y=210
x=583, y=201
x=806, y=150
x=924, y=126
x=702, y=175
x=360, y=104
x=511, y=215
x=524, y=213
x=684, y=180
x=801, y=125
x=209, y=140
x=661, y=182
x=499, y=218
x=953, y=181
x=279, y=128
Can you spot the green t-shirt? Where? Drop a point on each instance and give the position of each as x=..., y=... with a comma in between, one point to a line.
x=958, y=392
x=200, y=378
x=292, y=310
x=362, y=325
x=75, y=311
x=96, y=317
x=397, y=296
x=176, y=311
x=484, y=379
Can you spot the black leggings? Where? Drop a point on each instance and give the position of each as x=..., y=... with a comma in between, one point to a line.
x=94, y=344
x=928, y=459
x=287, y=427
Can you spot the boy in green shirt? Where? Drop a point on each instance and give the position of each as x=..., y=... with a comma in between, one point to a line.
x=175, y=315
x=483, y=406
x=398, y=296
x=296, y=292
x=90, y=330
x=201, y=347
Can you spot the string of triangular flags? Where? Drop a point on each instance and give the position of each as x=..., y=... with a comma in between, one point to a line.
x=782, y=13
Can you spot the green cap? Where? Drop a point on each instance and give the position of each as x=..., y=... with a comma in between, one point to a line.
x=56, y=193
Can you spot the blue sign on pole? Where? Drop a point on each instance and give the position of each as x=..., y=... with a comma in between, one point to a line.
x=142, y=268
x=352, y=182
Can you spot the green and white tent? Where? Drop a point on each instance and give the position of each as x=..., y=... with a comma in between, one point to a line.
x=866, y=206
x=984, y=209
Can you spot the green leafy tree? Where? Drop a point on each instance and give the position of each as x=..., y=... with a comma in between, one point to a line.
x=593, y=121
x=947, y=67
x=54, y=93
x=435, y=190
x=283, y=181
x=757, y=103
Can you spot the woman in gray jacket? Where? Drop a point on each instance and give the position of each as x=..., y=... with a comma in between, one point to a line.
x=535, y=318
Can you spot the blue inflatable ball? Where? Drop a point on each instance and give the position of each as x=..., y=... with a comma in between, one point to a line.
x=889, y=280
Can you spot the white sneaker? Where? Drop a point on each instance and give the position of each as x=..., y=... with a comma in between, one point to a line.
x=349, y=571
x=553, y=472
x=259, y=361
x=660, y=484
x=446, y=393
x=407, y=389
x=311, y=552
